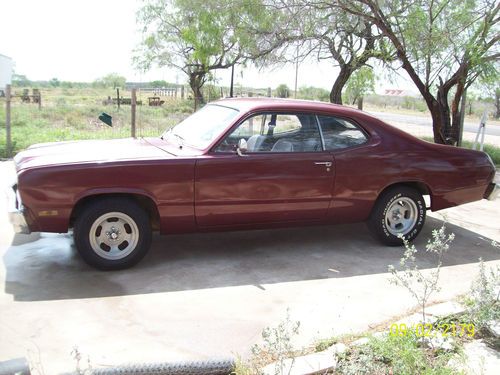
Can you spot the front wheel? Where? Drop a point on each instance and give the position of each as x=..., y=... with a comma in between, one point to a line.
x=112, y=234
x=399, y=211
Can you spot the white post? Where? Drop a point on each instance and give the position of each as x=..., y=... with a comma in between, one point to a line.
x=480, y=131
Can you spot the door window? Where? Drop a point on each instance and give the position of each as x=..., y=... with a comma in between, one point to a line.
x=275, y=132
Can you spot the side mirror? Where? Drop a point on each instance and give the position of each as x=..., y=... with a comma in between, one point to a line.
x=242, y=147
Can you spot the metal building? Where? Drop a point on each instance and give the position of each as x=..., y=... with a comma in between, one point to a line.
x=6, y=66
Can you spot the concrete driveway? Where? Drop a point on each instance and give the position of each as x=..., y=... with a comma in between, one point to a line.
x=205, y=295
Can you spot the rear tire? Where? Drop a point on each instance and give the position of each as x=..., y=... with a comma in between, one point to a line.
x=112, y=233
x=398, y=211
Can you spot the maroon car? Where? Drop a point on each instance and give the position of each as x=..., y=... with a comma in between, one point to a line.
x=242, y=164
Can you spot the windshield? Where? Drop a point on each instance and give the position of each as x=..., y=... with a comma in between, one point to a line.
x=202, y=127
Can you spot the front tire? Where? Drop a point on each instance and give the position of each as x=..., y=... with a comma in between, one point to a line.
x=399, y=211
x=112, y=234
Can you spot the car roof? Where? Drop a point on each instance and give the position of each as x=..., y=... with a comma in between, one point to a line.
x=255, y=104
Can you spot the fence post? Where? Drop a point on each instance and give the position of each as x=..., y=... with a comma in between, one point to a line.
x=7, y=121
x=182, y=92
x=118, y=97
x=40, y=101
x=133, y=104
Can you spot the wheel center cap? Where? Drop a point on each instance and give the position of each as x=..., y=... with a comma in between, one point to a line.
x=396, y=215
x=113, y=234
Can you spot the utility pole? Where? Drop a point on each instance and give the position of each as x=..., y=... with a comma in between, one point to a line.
x=462, y=117
x=296, y=72
x=232, y=82
x=133, y=104
x=7, y=120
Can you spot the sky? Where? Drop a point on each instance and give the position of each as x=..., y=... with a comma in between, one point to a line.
x=83, y=40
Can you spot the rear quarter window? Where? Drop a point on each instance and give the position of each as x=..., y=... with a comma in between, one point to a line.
x=340, y=133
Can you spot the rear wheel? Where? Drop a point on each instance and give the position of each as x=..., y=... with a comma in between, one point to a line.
x=112, y=234
x=399, y=211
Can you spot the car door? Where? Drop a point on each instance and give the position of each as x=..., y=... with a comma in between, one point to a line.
x=285, y=174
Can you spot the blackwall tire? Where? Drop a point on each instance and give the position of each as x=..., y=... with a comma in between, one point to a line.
x=112, y=234
x=398, y=211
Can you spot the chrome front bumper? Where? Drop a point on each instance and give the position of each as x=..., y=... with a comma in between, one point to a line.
x=492, y=192
x=16, y=211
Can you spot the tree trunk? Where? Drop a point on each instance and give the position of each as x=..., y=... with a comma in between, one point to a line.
x=196, y=81
x=336, y=92
x=497, y=103
x=360, y=103
x=443, y=125
x=455, y=115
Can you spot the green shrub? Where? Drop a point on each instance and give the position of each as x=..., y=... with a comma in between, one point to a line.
x=393, y=355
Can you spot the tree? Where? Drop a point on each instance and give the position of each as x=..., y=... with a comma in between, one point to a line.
x=443, y=45
x=350, y=41
x=316, y=28
x=282, y=91
x=195, y=36
x=159, y=83
x=313, y=93
x=113, y=80
x=20, y=80
x=361, y=83
x=54, y=82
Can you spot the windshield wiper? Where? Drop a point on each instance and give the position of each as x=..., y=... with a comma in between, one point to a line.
x=181, y=140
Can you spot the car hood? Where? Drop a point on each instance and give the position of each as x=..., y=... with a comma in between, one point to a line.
x=95, y=151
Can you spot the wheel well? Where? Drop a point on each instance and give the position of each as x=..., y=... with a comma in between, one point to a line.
x=418, y=186
x=144, y=201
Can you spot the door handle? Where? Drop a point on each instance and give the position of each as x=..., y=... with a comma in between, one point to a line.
x=325, y=163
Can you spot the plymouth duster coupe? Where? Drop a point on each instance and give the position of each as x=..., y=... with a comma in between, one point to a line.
x=242, y=164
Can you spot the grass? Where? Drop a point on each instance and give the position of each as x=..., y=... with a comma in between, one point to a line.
x=72, y=114
x=492, y=150
x=394, y=355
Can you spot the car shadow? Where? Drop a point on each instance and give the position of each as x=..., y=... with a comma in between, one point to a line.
x=49, y=268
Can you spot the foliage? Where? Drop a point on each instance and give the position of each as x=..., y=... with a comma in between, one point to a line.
x=71, y=114
x=112, y=80
x=282, y=91
x=54, y=82
x=443, y=45
x=277, y=345
x=313, y=93
x=360, y=83
x=483, y=300
x=198, y=36
x=20, y=80
x=393, y=355
x=159, y=83
x=422, y=285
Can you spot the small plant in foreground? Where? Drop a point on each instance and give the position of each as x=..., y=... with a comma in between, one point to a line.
x=393, y=355
x=483, y=301
x=277, y=346
x=77, y=356
x=422, y=285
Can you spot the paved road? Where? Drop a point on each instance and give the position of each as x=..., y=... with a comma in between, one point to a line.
x=206, y=295
x=426, y=121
